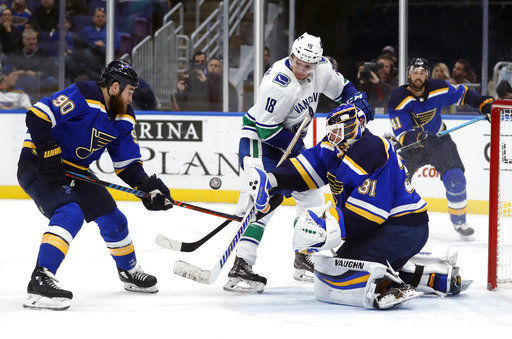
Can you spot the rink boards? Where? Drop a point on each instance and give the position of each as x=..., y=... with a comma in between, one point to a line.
x=187, y=149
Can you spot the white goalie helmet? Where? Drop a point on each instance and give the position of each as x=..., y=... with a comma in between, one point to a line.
x=307, y=48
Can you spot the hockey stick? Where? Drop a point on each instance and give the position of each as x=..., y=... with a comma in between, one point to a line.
x=195, y=273
x=142, y=194
x=440, y=134
x=181, y=246
x=274, y=202
x=304, y=123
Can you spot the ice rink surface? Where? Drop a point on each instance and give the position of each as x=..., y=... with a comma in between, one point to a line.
x=186, y=309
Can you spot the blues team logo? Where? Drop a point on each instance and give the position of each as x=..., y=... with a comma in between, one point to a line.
x=98, y=141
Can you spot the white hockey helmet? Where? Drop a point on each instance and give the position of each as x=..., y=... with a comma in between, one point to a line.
x=307, y=48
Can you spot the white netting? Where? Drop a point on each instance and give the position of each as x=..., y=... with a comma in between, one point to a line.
x=504, y=236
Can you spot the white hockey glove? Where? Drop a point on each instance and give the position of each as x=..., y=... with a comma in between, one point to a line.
x=257, y=183
x=317, y=230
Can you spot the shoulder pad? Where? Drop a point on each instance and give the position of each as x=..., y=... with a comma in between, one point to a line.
x=281, y=79
x=398, y=97
x=368, y=153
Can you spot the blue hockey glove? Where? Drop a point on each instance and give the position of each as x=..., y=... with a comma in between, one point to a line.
x=427, y=139
x=159, y=198
x=360, y=100
x=49, y=161
x=485, y=106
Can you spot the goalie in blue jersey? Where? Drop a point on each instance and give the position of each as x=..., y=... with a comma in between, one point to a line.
x=415, y=114
x=68, y=131
x=378, y=218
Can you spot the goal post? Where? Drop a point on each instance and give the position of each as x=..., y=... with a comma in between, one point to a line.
x=500, y=195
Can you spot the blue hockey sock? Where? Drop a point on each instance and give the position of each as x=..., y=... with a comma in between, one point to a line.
x=64, y=224
x=455, y=183
x=114, y=230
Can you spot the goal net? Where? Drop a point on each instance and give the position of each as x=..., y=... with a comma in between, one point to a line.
x=500, y=195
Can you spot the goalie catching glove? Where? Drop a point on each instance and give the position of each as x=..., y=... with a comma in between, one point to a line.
x=159, y=196
x=317, y=229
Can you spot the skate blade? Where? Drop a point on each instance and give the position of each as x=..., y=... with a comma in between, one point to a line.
x=39, y=302
x=390, y=301
x=303, y=275
x=134, y=288
x=243, y=286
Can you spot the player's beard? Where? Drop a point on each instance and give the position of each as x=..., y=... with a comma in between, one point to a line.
x=417, y=84
x=117, y=106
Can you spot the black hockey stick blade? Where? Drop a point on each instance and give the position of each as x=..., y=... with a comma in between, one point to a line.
x=180, y=246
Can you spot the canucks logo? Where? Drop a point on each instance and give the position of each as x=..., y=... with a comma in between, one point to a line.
x=98, y=141
x=281, y=79
x=423, y=118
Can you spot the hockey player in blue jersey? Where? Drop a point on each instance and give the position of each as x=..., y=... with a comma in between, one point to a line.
x=68, y=131
x=381, y=218
x=415, y=113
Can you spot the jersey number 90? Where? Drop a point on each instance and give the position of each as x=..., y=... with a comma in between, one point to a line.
x=64, y=103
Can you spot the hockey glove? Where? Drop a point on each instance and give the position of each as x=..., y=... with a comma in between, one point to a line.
x=49, y=161
x=485, y=106
x=359, y=99
x=317, y=230
x=159, y=198
x=427, y=139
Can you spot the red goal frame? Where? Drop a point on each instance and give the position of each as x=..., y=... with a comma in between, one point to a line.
x=492, y=272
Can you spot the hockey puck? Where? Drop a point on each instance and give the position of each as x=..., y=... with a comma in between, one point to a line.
x=215, y=183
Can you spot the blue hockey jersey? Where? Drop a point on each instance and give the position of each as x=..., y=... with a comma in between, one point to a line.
x=368, y=181
x=408, y=113
x=81, y=126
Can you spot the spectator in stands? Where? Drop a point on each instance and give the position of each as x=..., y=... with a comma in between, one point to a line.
x=387, y=73
x=378, y=92
x=72, y=66
x=192, y=92
x=143, y=97
x=21, y=14
x=11, y=97
x=440, y=71
x=35, y=63
x=4, y=4
x=460, y=72
x=46, y=16
x=504, y=90
x=390, y=52
x=266, y=63
x=94, y=39
x=10, y=36
x=214, y=80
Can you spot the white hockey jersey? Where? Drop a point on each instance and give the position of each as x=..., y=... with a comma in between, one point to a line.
x=283, y=101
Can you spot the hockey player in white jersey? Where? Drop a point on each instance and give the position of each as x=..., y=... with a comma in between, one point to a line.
x=288, y=90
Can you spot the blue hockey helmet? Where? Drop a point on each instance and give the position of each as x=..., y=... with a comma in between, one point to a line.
x=119, y=71
x=418, y=63
x=344, y=125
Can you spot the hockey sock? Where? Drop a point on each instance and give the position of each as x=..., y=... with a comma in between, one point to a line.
x=64, y=224
x=114, y=230
x=435, y=281
x=455, y=183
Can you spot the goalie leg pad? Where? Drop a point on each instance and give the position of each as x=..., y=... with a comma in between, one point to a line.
x=434, y=275
x=354, y=283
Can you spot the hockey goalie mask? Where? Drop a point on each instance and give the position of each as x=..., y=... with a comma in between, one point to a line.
x=344, y=125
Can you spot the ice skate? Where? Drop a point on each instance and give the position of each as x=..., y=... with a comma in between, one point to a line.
x=304, y=269
x=136, y=280
x=44, y=293
x=395, y=297
x=464, y=231
x=243, y=279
